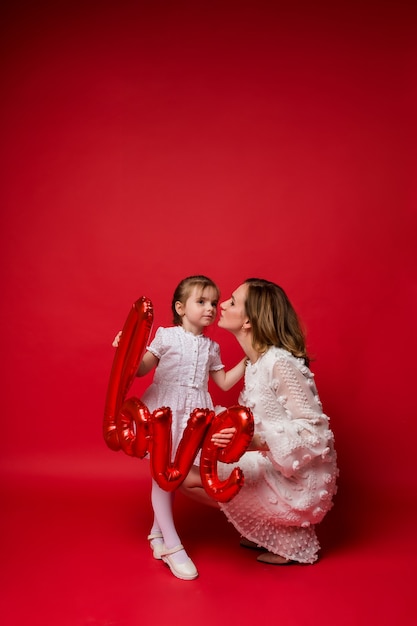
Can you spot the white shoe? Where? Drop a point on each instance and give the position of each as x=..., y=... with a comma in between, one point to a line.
x=157, y=548
x=184, y=571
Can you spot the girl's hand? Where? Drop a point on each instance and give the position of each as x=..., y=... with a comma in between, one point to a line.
x=223, y=437
x=117, y=339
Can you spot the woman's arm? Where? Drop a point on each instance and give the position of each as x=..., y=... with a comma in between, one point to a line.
x=226, y=380
x=295, y=428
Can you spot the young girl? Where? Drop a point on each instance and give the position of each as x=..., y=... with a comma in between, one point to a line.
x=184, y=359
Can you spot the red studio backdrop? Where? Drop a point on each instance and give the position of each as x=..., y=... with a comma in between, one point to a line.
x=145, y=141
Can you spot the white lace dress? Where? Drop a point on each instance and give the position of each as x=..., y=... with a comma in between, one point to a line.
x=181, y=377
x=289, y=488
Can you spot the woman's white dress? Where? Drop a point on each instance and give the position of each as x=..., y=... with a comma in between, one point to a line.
x=288, y=489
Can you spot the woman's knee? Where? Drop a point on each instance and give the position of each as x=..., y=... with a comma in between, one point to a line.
x=192, y=480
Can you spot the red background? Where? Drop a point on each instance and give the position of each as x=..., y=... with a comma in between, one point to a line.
x=142, y=142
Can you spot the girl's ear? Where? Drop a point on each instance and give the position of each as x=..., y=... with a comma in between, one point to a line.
x=247, y=325
x=179, y=307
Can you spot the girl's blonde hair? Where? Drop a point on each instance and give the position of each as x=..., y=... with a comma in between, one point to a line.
x=184, y=289
x=273, y=319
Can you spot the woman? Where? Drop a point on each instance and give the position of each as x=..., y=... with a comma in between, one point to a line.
x=290, y=468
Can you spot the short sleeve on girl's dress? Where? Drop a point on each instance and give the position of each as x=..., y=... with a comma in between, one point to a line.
x=157, y=344
x=215, y=361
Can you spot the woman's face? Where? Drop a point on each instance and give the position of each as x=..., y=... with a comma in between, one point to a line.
x=232, y=311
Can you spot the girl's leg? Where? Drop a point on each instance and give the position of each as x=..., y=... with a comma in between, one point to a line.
x=156, y=539
x=162, y=502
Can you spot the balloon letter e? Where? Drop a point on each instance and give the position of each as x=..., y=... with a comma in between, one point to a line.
x=242, y=419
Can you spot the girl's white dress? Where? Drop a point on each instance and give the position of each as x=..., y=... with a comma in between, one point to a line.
x=289, y=488
x=181, y=378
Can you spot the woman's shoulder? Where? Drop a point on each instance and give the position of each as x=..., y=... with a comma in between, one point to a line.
x=275, y=355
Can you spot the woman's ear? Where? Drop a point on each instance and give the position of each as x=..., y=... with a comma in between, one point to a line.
x=247, y=325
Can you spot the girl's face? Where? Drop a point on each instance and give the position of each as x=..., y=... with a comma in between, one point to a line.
x=233, y=314
x=199, y=310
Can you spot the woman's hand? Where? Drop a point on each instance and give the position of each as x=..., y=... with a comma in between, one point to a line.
x=117, y=339
x=223, y=437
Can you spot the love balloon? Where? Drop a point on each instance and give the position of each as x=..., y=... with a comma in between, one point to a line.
x=129, y=425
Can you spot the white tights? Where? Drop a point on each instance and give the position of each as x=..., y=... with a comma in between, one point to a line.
x=162, y=504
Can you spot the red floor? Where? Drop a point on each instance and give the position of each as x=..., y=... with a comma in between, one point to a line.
x=75, y=554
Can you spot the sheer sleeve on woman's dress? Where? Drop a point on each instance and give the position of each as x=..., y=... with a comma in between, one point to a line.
x=294, y=426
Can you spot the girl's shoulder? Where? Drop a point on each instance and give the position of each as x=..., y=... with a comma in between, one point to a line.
x=213, y=345
x=165, y=339
x=164, y=334
x=167, y=330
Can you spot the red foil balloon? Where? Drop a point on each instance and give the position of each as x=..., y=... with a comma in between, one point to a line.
x=133, y=426
x=242, y=419
x=169, y=475
x=126, y=361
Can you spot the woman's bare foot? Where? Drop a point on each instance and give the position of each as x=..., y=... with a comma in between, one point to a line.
x=246, y=543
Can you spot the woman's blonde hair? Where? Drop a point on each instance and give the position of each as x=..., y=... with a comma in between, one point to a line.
x=184, y=289
x=273, y=319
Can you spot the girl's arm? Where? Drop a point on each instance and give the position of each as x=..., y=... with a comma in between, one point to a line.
x=148, y=362
x=226, y=380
